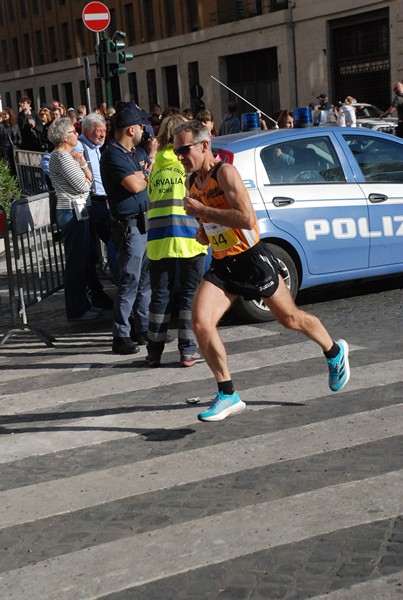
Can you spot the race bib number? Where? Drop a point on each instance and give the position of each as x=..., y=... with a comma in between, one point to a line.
x=220, y=237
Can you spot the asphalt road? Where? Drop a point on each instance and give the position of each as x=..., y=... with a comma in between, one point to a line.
x=112, y=489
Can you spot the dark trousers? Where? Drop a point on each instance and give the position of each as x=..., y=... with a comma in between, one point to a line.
x=163, y=279
x=101, y=228
x=79, y=273
x=399, y=129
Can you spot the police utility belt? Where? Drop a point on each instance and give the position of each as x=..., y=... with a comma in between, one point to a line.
x=138, y=220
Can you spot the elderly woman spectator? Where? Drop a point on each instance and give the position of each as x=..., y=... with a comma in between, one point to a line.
x=72, y=179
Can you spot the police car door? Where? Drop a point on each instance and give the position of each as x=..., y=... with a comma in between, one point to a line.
x=379, y=165
x=313, y=201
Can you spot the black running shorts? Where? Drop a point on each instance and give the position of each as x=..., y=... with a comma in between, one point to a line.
x=252, y=274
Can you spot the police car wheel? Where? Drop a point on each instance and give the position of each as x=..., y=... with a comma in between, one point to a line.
x=255, y=310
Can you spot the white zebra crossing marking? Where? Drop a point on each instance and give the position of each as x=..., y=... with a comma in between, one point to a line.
x=146, y=379
x=42, y=500
x=104, y=356
x=45, y=437
x=136, y=560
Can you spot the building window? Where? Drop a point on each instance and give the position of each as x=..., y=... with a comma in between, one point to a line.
x=83, y=92
x=68, y=94
x=99, y=94
x=23, y=8
x=30, y=93
x=1, y=15
x=151, y=87
x=132, y=80
x=278, y=5
x=149, y=21
x=27, y=50
x=8, y=99
x=55, y=92
x=39, y=47
x=170, y=22
x=66, y=40
x=42, y=95
x=193, y=15
x=4, y=55
x=10, y=10
x=52, y=44
x=35, y=7
x=171, y=81
x=129, y=24
x=112, y=25
x=80, y=38
x=193, y=74
x=16, y=53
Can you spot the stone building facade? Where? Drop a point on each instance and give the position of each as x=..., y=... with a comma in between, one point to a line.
x=274, y=53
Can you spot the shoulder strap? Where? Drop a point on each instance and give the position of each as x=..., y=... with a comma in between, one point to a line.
x=192, y=176
x=215, y=170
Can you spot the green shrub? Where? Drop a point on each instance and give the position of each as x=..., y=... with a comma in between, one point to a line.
x=9, y=188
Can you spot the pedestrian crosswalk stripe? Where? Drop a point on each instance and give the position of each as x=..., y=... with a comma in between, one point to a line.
x=125, y=423
x=60, y=496
x=180, y=548
x=77, y=348
x=389, y=587
x=130, y=380
x=41, y=437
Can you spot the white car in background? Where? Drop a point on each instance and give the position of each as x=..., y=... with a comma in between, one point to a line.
x=368, y=115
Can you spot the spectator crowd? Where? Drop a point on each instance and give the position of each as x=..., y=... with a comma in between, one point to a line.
x=119, y=181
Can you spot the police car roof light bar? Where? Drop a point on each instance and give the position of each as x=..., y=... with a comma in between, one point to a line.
x=247, y=101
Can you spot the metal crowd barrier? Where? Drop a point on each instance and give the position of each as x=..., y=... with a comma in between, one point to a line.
x=31, y=178
x=34, y=259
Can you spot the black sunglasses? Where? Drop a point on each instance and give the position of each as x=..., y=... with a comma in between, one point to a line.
x=183, y=150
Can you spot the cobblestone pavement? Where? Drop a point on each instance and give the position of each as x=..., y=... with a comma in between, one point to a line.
x=112, y=489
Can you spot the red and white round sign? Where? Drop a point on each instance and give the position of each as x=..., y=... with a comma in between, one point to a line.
x=96, y=16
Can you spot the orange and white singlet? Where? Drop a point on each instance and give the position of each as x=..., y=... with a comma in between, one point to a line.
x=225, y=241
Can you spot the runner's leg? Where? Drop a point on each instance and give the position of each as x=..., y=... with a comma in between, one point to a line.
x=209, y=305
x=290, y=316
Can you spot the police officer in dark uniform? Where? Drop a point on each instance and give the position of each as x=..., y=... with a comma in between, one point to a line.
x=125, y=167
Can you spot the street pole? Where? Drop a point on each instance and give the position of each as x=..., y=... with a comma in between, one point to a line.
x=108, y=85
x=87, y=77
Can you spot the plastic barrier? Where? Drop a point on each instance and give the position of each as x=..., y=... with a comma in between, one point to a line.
x=35, y=264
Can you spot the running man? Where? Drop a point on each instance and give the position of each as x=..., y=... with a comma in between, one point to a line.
x=241, y=266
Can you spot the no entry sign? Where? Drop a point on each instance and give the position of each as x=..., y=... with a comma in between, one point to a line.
x=96, y=16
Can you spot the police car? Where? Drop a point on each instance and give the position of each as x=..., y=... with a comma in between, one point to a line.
x=329, y=202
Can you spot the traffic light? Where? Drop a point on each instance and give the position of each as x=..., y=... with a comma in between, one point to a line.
x=100, y=57
x=116, y=57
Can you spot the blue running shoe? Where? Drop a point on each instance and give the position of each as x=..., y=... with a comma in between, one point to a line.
x=339, y=368
x=223, y=406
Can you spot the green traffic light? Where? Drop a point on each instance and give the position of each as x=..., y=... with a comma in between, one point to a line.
x=111, y=56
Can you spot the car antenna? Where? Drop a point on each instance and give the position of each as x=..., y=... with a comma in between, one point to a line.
x=247, y=101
